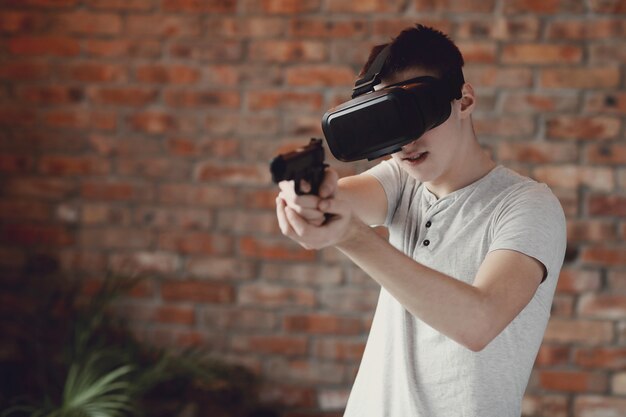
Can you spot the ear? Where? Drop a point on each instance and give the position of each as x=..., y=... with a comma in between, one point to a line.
x=468, y=101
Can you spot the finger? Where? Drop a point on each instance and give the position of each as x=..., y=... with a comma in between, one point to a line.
x=297, y=223
x=329, y=184
x=283, y=223
x=305, y=187
x=304, y=201
x=334, y=206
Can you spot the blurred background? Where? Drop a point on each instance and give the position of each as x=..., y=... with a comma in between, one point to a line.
x=134, y=146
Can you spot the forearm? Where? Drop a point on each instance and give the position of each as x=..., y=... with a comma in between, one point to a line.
x=455, y=308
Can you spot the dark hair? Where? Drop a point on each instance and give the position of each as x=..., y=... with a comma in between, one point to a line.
x=422, y=47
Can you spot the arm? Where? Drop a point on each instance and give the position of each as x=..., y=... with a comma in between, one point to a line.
x=472, y=315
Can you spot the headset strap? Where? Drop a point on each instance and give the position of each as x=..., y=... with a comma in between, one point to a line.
x=372, y=76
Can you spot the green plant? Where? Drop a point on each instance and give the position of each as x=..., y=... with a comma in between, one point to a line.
x=75, y=359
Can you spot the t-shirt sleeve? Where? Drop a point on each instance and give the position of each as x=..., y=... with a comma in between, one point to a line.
x=391, y=177
x=531, y=221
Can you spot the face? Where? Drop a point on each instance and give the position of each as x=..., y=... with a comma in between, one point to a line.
x=433, y=156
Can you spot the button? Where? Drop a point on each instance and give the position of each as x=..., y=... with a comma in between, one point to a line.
x=426, y=242
x=428, y=223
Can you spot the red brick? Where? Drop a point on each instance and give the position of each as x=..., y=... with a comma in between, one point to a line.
x=500, y=28
x=282, y=345
x=584, y=332
x=288, y=51
x=16, y=116
x=573, y=381
x=604, y=255
x=23, y=234
x=14, y=163
x=87, y=23
x=116, y=190
x=610, y=103
x=92, y=72
x=617, y=281
x=586, y=29
x=224, y=51
x=602, y=306
x=365, y=6
x=322, y=324
x=525, y=102
x=260, y=199
x=123, y=146
x=594, y=406
x=590, y=231
x=225, y=319
x=267, y=295
x=606, y=154
x=247, y=174
x=302, y=274
x=320, y=75
x=607, y=53
x=203, y=99
x=498, y=77
x=249, y=223
x=195, y=243
x=173, y=218
x=478, y=51
x=115, y=238
x=350, y=300
x=575, y=281
x=121, y=5
x=163, y=26
x=25, y=70
x=544, y=404
x=504, y=126
x=38, y=188
x=613, y=358
x=73, y=165
x=389, y=27
x=582, y=127
x=103, y=214
x=306, y=371
x=340, y=349
x=537, y=152
x=47, y=4
x=607, y=205
x=152, y=122
x=146, y=262
x=50, y=95
x=194, y=6
x=288, y=395
x=201, y=196
x=119, y=48
x=282, y=6
x=595, y=77
x=541, y=54
x=316, y=27
x=613, y=6
x=273, y=249
x=127, y=96
x=25, y=210
x=544, y=6
x=455, y=6
x=551, y=355
x=44, y=45
x=175, y=74
x=22, y=22
x=271, y=99
x=246, y=27
x=618, y=383
x=198, y=291
x=562, y=306
x=78, y=118
x=153, y=168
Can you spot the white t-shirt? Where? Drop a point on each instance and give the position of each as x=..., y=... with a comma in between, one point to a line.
x=411, y=370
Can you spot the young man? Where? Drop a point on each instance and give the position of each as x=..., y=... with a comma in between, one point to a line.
x=469, y=272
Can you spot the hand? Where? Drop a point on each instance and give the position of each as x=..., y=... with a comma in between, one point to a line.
x=307, y=205
x=337, y=229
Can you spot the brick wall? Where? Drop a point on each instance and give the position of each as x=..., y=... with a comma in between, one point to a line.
x=136, y=134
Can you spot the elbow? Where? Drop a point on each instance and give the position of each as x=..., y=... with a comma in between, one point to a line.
x=477, y=340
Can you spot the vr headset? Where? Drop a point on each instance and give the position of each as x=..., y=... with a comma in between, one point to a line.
x=379, y=123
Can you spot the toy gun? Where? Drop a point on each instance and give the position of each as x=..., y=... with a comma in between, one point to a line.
x=306, y=163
